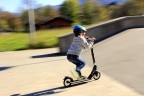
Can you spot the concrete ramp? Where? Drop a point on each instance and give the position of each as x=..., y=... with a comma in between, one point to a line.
x=122, y=58
x=41, y=72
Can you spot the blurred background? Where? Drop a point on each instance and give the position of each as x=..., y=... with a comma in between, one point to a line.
x=31, y=24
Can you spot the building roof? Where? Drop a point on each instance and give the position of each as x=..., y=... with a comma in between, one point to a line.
x=44, y=21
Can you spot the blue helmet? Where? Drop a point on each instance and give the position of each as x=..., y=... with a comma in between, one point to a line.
x=79, y=27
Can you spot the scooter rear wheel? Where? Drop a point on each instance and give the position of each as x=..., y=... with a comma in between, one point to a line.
x=96, y=75
x=67, y=81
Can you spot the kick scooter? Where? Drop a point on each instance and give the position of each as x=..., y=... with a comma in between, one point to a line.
x=94, y=75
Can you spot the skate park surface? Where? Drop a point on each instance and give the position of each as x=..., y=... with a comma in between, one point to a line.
x=41, y=72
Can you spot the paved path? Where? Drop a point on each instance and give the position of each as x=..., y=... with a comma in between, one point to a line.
x=41, y=72
x=121, y=58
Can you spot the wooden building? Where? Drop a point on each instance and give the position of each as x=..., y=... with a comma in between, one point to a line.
x=57, y=22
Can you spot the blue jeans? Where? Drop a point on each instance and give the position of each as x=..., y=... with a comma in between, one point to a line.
x=77, y=61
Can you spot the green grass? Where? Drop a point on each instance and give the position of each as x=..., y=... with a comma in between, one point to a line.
x=20, y=41
x=13, y=41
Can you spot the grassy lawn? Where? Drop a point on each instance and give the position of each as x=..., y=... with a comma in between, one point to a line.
x=20, y=41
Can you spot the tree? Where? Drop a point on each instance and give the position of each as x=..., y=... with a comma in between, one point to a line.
x=116, y=11
x=93, y=12
x=24, y=16
x=130, y=8
x=10, y=22
x=89, y=12
x=4, y=25
x=46, y=12
x=103, y=13
x=134, y=7
x=70, y=9
x=18, y=25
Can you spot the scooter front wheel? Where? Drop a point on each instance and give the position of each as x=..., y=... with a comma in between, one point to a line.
x=96, y=75
x=67, y=81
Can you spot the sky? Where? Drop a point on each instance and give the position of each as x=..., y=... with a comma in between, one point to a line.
x=15, y=6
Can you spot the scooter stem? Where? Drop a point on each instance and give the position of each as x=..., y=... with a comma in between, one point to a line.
x=92, y=53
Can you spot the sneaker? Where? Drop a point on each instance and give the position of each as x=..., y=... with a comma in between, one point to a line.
x=82, y=78
x=75, y=74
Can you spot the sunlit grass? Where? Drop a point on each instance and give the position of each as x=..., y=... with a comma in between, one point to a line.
x=49, y=37
x=13, y=41
x=19, y=41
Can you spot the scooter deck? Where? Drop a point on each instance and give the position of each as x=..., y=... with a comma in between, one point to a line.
x=82, y=81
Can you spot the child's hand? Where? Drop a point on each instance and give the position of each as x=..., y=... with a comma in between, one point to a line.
x=93, y=39
x=86, y=37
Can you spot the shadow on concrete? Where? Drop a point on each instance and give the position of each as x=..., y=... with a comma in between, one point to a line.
x=10, y=67
x=39, y=62
x=5, y=68
x=49, y=55
x=48, y=92
x=34, y=57
x=45, y=92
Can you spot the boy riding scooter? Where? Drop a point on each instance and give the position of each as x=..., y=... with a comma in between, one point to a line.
x=80, y=42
